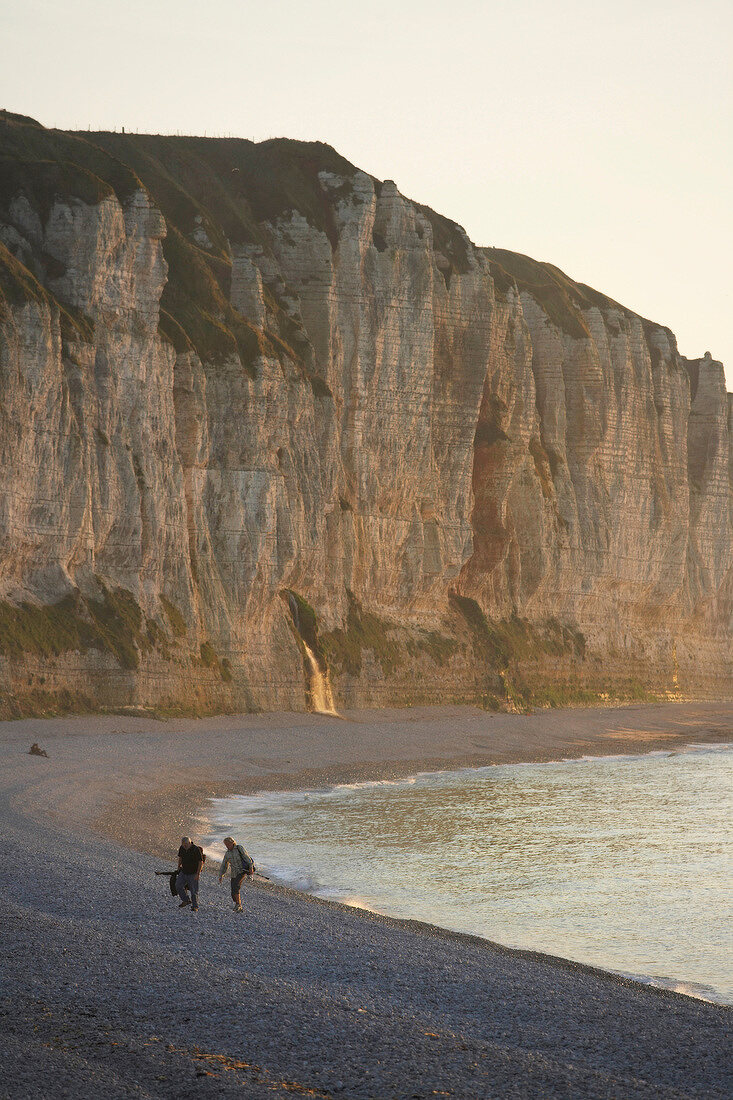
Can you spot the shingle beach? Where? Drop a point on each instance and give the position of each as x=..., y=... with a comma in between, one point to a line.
x=109, y=990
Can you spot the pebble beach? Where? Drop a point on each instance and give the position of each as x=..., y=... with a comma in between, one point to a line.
x=109, y=989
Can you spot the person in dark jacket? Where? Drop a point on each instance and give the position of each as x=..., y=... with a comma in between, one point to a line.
x=190, y=861
x=239, y=864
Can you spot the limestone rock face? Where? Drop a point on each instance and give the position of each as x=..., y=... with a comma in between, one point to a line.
x=319, y=387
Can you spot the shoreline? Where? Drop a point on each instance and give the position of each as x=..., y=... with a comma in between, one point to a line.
x=677, y=985
x=303, y=993
x=541, y=737
x=147, y=817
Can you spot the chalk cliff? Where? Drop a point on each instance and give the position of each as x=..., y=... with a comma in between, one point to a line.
x=252, y=399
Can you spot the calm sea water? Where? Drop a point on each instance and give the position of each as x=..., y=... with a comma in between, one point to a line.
x=621, y=862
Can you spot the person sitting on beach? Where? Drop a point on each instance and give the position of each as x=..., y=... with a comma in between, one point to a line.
x=239, y=864
x=190, y=861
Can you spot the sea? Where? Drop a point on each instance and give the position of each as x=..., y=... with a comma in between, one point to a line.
x=621, y=862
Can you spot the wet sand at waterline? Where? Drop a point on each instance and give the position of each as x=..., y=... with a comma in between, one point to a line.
x=123, y=993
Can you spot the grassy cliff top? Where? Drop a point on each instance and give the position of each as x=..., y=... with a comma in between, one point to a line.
x=218, y=191
x=214, y=192
x=562, y=299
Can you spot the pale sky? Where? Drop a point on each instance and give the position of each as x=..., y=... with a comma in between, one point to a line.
x=596, y=136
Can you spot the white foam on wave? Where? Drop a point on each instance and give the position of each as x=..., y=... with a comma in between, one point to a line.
x=367, y=784
x=720, y=747
x=354, y=901
x=682, y=750
x=697, y=990
x=299, y=878
x=263, y=802
x=295, y=878
x=267, y=802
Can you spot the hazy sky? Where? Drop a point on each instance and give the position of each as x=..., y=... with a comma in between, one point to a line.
x=596, y=136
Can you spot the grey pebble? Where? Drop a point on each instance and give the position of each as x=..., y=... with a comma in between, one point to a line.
x=110, y=990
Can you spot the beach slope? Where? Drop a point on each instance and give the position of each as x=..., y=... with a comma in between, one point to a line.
x=109, y=989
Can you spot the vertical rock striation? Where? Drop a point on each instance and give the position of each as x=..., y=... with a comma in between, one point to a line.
x=235, y=376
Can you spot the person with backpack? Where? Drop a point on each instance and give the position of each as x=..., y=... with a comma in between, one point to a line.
x=191, y=859
x=239, y=864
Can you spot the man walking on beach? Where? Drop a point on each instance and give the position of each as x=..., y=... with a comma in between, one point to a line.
x=239, y=864
x=190, y=861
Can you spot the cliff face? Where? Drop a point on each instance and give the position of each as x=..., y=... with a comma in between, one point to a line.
x=251, y=398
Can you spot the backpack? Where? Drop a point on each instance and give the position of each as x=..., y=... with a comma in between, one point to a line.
x=247, y=861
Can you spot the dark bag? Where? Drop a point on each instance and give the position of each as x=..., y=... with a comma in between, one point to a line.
x=174, y=876
x=248, y=862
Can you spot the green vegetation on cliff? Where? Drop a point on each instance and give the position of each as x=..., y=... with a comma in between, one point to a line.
x=112, y=623
x=558, y=296
x=390, y=644
x=562, y=299
x=175, y=618
x=210, y=659
x=212, y=192
x=18, y=286
x=363, y=631
x=304, y=619
x=513, y=639
x=196, y=314
x=507, y=646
